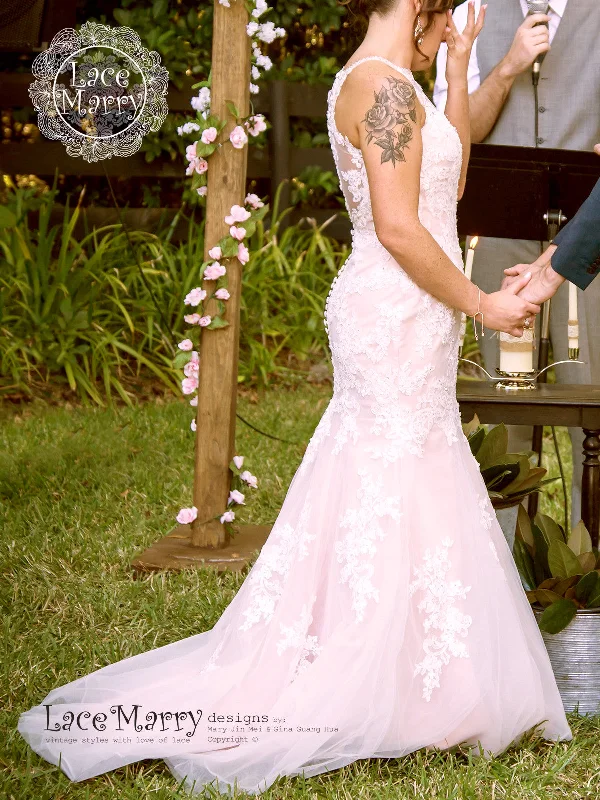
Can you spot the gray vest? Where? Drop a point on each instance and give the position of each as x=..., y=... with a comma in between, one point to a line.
x=569, y=87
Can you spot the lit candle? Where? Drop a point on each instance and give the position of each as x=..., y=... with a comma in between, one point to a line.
x=468, y=273
x=573, y=325
x=516, y=352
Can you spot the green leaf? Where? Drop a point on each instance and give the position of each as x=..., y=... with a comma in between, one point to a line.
x=550, y=529
x=587, y=561
x=499, y=475
x=233, y=109
x=540, y=558
x=494, y=445
x=217, y=322
x=546, y=597
x=524, y=564
x=524, y=526
x=181, y=359
x=229, y=247
x=7, y=218
x=205, y=150
x=562, y=561
x=557, y=616
x=476, y=440
x=588, y=587
x=580, y=540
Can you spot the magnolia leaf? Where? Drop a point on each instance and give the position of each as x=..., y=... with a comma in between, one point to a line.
x=563, y=563
x=495, y=444
x=531, y=596
x=540, y=557
x=550, y=529
x=587, y=561
x=471, y=427
x=587, y=587
x=524, y=564
x=524, y=526
x=476, y=440
x=580, y=541
x=550, y=583
x=562, y=585
x=557, y=616
x=524, y=470
x=545, y=597
x=531, y=481
x=499, y=475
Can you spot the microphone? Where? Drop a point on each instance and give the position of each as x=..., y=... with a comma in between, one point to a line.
x=537, y=7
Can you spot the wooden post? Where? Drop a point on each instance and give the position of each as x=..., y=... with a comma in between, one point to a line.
x=216, y=417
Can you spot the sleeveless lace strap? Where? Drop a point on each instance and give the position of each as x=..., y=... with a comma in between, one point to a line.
x=404, y=70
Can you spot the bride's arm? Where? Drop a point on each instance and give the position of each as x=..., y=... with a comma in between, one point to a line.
x=390, y=139
x=457, y=64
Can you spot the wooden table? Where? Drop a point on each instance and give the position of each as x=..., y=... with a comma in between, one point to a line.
x=571, y=405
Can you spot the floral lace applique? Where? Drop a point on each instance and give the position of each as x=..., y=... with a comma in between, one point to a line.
x=485, y=516
x=267, y=577
x=356, y=550
x=434, y=320
x=444, y=622
x=297, y=637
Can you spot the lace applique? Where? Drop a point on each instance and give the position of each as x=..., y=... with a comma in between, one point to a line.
x=297, y=637
x=444, y=622
x=320, y=433
x=267, y=577
x=485, y=516
x=356, y=550
x=494, y=551
x=434, y=320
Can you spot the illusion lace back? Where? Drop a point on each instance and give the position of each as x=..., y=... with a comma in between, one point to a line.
x=384, y=613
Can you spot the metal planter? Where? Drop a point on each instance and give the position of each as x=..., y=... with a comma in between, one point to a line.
x=575, y=657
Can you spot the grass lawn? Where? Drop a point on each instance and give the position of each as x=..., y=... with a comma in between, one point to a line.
x=82, y=492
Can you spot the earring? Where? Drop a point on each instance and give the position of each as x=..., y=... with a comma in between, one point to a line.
x=419, y=32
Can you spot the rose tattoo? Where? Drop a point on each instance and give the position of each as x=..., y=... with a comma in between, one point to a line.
x=394, y=105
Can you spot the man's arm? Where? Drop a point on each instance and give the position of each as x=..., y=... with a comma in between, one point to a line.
x=577, y=257
x=531, y=39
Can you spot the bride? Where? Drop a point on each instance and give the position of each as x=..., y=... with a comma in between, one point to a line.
x=384, y=613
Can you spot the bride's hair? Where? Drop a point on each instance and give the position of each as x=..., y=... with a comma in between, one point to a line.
x=362, y=10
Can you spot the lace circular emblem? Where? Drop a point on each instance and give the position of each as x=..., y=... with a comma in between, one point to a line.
x=99, y=91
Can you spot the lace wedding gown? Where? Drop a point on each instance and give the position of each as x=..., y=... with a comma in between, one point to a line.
x=384, y=612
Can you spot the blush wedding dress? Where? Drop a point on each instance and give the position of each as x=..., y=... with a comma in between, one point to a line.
x=384, y=612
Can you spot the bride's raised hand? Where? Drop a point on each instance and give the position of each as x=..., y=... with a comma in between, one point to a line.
x=461, y=44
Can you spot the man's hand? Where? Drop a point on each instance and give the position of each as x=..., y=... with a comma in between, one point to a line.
x=531, y=40
x=544, y=281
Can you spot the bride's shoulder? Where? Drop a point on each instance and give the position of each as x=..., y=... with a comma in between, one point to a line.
x=376, y=83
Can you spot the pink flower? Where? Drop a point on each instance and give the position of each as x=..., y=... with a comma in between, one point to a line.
x=238, y=137
x=256, y=124
x=215, y=253
x=192, y=319
x=209, y=135
x=214, y=271
x=254, y=201
x=228, y=516
x=238, y=461
x=249, y=478
x=195, y=297
x=237, y=214
x=243, y=254
x=194, y=401
x=202, y=191
x=201, y=165
x=191, y=370
x=195, y=356
x=236, y=497
x=204, y=321
x=187, y=515
x=237, y=233
x=190, y=152
x=189, y=385
x=222, y=294
x=193, y=425
x=186, y=344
